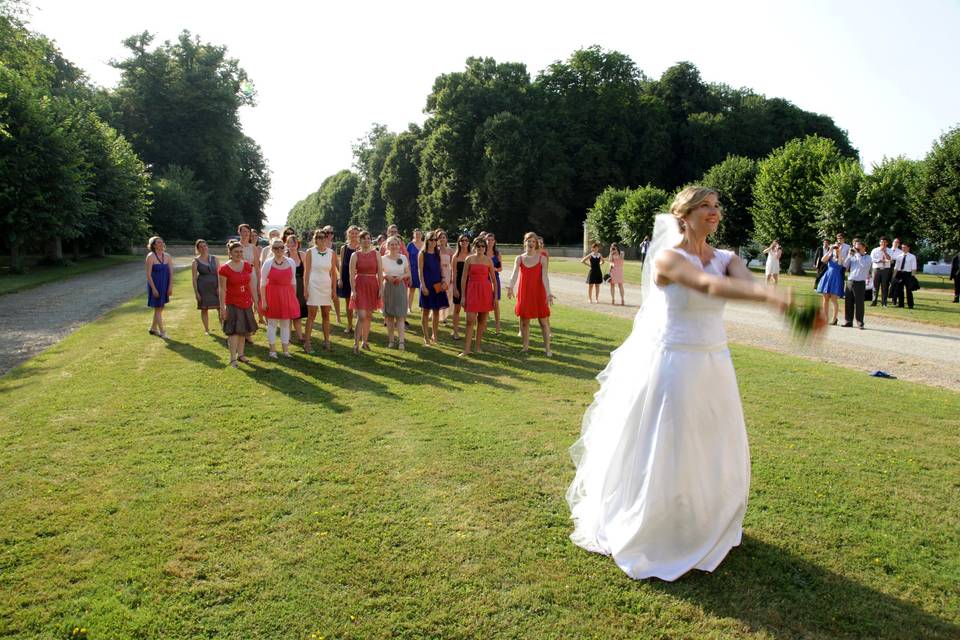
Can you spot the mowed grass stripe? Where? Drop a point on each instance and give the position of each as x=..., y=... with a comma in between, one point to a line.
x=151, y=492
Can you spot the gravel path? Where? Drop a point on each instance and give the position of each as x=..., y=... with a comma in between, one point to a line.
x=911, y=351
x=32, y=320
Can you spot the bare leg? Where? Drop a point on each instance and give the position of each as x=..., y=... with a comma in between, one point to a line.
x=481, y=327
x=233, y=344
x=410, y=294
x=436, y=326
x=325, y=320
x=424, y=319
x=456, y=321
x=391, y=323
x=336, y=303
x=824, y=307
x=613, y=298
x=297, y=326
x=402, y=330
x=205, y=319
x=545, y=330
x=496, y=315
x=308, y=332
x=468, y=336
x=367, y=319
x=525, y=333
x=621, y=294
x=356, y=334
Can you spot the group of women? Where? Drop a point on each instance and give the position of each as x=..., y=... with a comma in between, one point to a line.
x=287, y=288
x=595, y=275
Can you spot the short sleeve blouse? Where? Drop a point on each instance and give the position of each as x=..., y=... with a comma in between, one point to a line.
x=238, y=291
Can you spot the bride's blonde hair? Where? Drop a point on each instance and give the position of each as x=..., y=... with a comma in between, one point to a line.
x=689, y=199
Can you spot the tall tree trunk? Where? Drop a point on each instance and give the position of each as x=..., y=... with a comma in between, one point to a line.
x=99, y=249
x=53, y=250
x=796, y=262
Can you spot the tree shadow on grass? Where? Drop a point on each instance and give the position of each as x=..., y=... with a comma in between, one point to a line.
x=778, y=592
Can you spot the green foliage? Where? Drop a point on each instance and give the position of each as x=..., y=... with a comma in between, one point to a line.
x=369, y=209
x=939, y=192
x=179, y=202
x=602, y=218
x=400, y=179
x=330, y=204
x=733, y=179
x=837, y=205
x=178, y=104
x=788, y=183
x=636, y=214
x=887, y=200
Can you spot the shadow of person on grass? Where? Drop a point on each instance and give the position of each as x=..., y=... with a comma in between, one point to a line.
x=777, y=592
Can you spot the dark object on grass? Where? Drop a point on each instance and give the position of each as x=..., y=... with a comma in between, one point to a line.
x=882, y=374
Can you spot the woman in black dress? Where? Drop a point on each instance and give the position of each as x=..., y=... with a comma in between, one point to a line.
x=595, y=275
x=293, y=252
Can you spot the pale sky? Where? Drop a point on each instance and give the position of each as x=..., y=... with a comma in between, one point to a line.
x=884, y=70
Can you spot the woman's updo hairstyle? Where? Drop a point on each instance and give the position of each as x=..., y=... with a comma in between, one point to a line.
x=233, y=244
x=152, y=243
x=689, y=199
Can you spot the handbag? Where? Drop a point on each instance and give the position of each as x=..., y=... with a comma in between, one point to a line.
x=439, y=287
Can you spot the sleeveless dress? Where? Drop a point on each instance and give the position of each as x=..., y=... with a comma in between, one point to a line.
x=663, y=466
x=281, y=297
x=832, y=280
x=248, y=252
x=239, y=300
x=208, y=284
x=321, y=289
x=395, y=295
x=531, y=294
x=432, y=274
x=301, y=294
x=344, y=289
x=616, y=270
x=479, y=293
x=497, y=265
x=594, y=276
x=458, y=299
x=772, y=267
x=446, y=260
x=160, y=271
x=413, y=252
x=366, y=285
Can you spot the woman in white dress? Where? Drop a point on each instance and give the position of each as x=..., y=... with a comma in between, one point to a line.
x=663, y=468
x=772, y=269
x=319, y=281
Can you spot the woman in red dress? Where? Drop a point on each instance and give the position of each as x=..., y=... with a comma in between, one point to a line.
x=278, y=291
x=533, y=297
x=477, y=284
x=366, y=280
x=237, y=299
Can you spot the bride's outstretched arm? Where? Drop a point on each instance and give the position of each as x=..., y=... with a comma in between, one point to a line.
x=672, y=267
x=739, y=271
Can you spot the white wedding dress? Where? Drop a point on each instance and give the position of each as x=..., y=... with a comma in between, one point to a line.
x=663, y=466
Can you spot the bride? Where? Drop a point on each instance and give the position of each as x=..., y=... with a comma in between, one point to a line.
x=663, y=467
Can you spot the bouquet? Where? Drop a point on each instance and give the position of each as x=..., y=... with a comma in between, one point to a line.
x=804, y=318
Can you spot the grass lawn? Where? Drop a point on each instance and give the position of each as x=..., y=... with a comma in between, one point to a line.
x=150, y=492
x=37, y=274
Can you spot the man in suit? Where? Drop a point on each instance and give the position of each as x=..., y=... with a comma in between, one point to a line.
x=904, y=269
x=955, y=276
x=821, y=251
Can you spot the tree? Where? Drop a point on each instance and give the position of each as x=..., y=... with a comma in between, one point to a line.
x=178, y=104
x=369, y=210
x=179, y=202
x=784, y=195
x=887, y=199
x=253, y=187
x=837, y=205
x=330, y=204
x=939, y=189
x=602, y=221
x=733, y=179
x=399, y=180
x=636, y=214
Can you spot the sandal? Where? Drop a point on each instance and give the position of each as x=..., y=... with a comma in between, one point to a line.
x=307, y=347
x=272, y=355
x=233, y=363
x=154, y=333
x=243, y=359
x=366, y=346
x=400, y=346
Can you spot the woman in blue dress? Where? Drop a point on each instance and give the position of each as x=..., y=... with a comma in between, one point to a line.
x=159, y=282
x=413, y=250
x=433, y=290
x=831, y=283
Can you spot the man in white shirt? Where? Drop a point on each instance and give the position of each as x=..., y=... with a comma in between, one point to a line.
x=903, y=269
x=858, y=265
x=882, y=260
x=844, y=247
x=895, y=252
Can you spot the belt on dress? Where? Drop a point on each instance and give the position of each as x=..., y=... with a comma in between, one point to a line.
x=707, y=348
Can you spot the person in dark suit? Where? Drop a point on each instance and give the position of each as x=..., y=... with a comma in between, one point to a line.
x=818, y=260
x=903, y=278
x=955, y=276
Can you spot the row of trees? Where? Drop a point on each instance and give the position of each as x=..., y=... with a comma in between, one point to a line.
x=503, y=152
x=806, y=190
x=65, y=173
x=162, y=152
